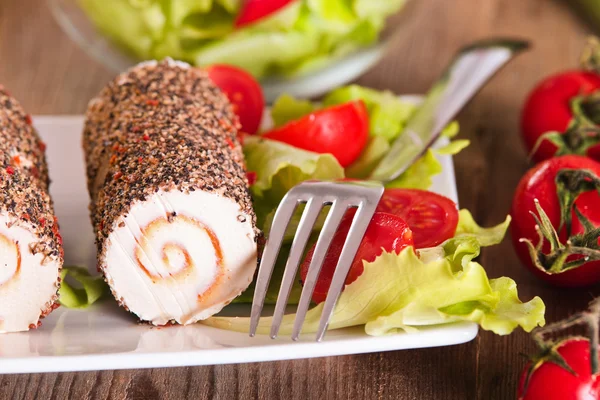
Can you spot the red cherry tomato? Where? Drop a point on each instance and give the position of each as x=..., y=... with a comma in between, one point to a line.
x=552, y=382
x=548, y=108
x=431, y=217
x=385, y=231
x=254, y=10
x=244, y=93
x=539, y=183
x=341, y=130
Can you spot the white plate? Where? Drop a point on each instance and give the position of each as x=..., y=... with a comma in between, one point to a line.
x=107, y=337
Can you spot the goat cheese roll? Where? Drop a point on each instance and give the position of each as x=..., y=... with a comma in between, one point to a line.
x=170, y=204
x=31, y=254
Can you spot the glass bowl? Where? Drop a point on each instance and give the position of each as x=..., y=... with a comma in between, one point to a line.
x=80, y=29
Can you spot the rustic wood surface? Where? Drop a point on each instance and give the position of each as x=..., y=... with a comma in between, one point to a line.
x=52, y=75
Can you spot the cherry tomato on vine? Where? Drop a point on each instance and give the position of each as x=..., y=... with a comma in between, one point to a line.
x=553, y=105
x=549, y=381
x=540, y=183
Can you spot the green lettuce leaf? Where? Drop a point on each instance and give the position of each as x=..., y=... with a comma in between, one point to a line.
x=277, y=50
x=287, y=108
x=79, y=289
x=376, y=8
x=279, y=167
x=420, y=174
x=454, y=147
x=376, y=148
x=399, y=292
x=468, y=240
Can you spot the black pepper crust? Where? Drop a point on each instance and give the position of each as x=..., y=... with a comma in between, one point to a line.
x=24, y=183
x=160, y=126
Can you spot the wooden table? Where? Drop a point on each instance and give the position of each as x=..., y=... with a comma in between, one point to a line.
x=51, y=75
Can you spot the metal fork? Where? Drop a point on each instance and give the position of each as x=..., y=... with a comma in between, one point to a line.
x=470, y=70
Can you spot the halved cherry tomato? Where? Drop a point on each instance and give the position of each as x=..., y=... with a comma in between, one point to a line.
x=244, y=93
x=385, y=232
x=431, y=217
x=254, y=10
x=340, y=130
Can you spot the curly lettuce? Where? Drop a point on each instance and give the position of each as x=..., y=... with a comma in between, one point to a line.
x=406, y=291
x=79, y=289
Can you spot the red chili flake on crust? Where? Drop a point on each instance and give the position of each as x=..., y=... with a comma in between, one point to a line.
x=35, y=172
x=251, y=176
x=152, y=102
x=115, y=147
x=42, y=222
x=28, y=119
x=230, y=142
x=101, y=225
x=140, y=159
x=240, y=137
x=17, y=160
x=26, y=216
x=42, y=146
x=122, y=149
x=113, y=159
x=10, y=170
x=136, y=129
x=117, y=175
x=58, y=236
x=146, y=136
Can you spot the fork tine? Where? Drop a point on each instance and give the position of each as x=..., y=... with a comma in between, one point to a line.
x=278, y=227
x=303, y=232
x=357, y=231
x=331, y=224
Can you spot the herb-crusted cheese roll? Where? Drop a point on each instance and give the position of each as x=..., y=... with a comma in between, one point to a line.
x=31, y=254
x=175, y=228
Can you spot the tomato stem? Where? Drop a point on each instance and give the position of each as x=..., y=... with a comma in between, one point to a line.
x=583, y=131
x=590, y=56
x=590, y=318
x=570, y=183
x=556, y=260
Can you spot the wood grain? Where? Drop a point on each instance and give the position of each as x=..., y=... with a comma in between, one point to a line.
x=51, y=75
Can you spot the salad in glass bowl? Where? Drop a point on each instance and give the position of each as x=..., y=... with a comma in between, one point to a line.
x=302, y=47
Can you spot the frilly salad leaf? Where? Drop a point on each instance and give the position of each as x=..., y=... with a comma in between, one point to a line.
x=399, y=292
x=376, y=148
x=287, y=108
x=299, y=38
x=279, y=167
x=79, y=289
x=420, y=174
x=403, y=292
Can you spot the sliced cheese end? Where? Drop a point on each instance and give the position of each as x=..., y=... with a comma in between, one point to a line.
x=180, y=256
